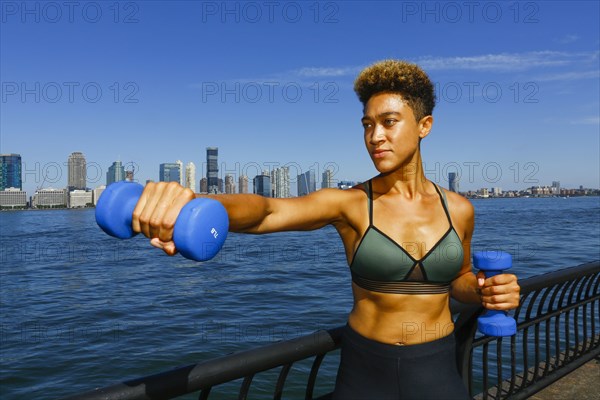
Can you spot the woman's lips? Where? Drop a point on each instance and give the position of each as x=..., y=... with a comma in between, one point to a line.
x=380, y=153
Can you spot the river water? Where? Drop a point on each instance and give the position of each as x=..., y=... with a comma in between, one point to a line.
x=80, y=310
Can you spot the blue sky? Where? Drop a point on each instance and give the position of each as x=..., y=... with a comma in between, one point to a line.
x=270, y=84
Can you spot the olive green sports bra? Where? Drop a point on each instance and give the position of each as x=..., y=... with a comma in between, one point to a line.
x=382, y=265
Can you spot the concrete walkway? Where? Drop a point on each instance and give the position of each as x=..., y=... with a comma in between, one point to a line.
x=581, y=384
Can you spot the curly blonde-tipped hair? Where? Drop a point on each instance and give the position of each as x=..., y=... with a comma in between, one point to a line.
x=396, y=76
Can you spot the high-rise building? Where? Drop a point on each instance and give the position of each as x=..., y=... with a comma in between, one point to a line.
x=115, y=173
x=262, y=185
x=306, y=183
x=203, y=185
x=181, y=172
x=453, y=182
x=190, y=176
x=212, y=169
x=169, y=172
x=229, y=184
x=10, y=171
x=556, y=187
x=243, y=184
x=327, y=181
x=130, y=172
x=77, y=171
x=280, y=182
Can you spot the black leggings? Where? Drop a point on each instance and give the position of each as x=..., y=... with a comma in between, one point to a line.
x=374, y=370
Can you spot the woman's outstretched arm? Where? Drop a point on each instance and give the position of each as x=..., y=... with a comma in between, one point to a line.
x=158, y=207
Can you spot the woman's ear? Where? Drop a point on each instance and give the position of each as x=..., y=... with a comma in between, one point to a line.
x=425, y=125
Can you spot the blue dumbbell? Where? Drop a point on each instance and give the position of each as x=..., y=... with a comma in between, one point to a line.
x=494, y=322
x=200, y=228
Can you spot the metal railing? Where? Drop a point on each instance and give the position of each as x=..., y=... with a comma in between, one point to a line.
x=558, y=330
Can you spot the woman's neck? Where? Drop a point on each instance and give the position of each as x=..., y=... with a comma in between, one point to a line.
x=408, y=180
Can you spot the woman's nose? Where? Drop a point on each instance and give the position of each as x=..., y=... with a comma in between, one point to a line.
x=377, y=135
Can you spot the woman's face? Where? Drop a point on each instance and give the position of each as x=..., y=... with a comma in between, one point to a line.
x=391, y=132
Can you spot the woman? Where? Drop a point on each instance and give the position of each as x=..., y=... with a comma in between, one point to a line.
x=407, y=243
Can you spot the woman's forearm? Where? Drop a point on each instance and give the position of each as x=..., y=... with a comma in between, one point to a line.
x=464, y=289
x=246, y=211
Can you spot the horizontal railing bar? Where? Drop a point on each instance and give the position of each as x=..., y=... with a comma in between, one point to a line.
x=555, y=313
x=552, y=278
x=216, y=371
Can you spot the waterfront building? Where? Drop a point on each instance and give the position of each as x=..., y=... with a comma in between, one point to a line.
x=13, y=198
x=229, y=184
x=115, y=173
x=49, y=198
x=496, y=191
x=306, y=183
x=453, y=182
x=80, y=199
x=327, y=180
x=96, y=194
x=555, y=187
x=129, y=175
x=345, y=184
x=169, y=172
x=190, y=176
x=76, y=171
x=262, y=185
x=541, y=191
x=212, y=169
x=10, y=171
x=203, y=185
x=181, y=172
x=484, y=192
x=280, y=182
x=243, y=184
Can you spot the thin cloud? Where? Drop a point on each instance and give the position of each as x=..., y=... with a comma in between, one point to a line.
x=507, y=62
x=326, y=72
x=595, y=120
x=503, y=62
x=568, y=39
x=568, y=76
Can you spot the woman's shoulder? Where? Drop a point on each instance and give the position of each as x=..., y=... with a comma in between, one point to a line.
x=458, y=205
x=356, y=192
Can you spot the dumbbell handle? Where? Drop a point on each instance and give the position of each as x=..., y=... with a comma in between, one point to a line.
x=494, y=322
x=199, y=232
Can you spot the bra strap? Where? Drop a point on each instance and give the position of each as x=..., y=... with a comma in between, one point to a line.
x=444, y=202
x=369, y=190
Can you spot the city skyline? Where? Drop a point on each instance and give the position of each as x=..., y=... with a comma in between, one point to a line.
x=513, y=113
x=269, y=183
x=102, y=178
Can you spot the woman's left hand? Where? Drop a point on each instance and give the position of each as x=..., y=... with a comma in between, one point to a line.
x=500, y=292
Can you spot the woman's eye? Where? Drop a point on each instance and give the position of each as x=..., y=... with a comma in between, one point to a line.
x=366, y=125
x=390, y=122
